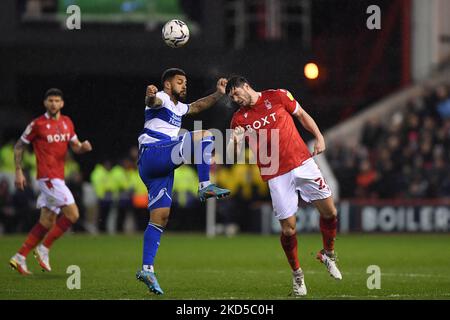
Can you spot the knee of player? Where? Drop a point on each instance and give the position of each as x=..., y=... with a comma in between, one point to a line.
x=160, y=221
x=288, y=231
x=334, y=214
x=160, y=216
x=206, y=133
x=47, y=222
x=74, y=215
x=164, y=221
x=330, y=213
x=202, y=135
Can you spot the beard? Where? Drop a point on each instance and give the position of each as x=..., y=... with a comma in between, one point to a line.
x=52, y=113
x=247, y=99
x=180, y=96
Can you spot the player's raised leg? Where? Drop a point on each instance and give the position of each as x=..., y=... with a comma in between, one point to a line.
x=328, y=228
x=203, y=145
x=46, y=221
x=69, y=215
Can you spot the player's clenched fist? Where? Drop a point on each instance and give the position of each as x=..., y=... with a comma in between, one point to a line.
x=221, y=85
x=151, y=91
x=238, y=134
x=86, y=146
x=150, y=96
x=319, y=146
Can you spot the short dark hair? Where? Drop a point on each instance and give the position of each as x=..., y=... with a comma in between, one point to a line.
x=170, y=73
x=53, y=92
x=235, y=82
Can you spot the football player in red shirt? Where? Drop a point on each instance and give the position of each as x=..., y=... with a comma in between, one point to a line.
x=50, y=135
x=268, y=116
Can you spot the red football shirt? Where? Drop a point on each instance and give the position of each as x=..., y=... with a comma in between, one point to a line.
x=50, y=139
x=272, y=111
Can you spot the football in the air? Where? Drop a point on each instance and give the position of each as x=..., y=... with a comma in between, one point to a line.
x=175, y=33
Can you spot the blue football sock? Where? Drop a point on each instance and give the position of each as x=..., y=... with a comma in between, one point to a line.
x=203, y=156
x=152, y=236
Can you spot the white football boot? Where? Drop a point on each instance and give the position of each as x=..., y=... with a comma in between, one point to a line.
x=329, y=260
x=41, y=255
x=298, y=283
x=19, y=263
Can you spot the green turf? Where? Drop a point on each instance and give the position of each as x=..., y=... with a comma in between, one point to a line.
x=243, y=267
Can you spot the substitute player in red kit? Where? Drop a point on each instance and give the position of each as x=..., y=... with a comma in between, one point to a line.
x=270, y=114
x=50, y=135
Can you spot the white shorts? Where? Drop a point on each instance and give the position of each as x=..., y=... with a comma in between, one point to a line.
x=306, y=178
x=54, y=195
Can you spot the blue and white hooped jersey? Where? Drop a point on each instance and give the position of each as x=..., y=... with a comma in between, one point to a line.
x=163, y=122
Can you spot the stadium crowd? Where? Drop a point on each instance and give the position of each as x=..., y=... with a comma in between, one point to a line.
x=405, y=156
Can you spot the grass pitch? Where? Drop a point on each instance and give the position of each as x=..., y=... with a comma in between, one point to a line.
x=191, y=266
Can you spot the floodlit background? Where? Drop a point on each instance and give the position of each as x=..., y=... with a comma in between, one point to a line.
x=380, y=96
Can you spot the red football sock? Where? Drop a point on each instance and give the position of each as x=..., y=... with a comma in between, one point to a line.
x=328, y=228
x=61, y=226
x=36, y=234
x=289, y=244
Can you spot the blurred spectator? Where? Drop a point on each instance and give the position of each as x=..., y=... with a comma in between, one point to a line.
x=188, y=213
x=408, y=156
x=185, y=186
x=121, y=192
x=140, y=196
x=7, y=213
x=7, y=158
x=365, y=180
x=105, y=189
x=371, y=133
x=248, y=191
x=443, y=106
x=123, y=186
x=25, y=207
x=226, y=219
x=133, y=154
x=140, y=199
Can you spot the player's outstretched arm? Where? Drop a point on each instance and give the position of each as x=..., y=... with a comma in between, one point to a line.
x=80, y=147
x=207, y=102
x=151, y=100
x=19, y=149
x=309, y=124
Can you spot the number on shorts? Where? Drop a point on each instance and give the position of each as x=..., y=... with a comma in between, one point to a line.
x=321, y=182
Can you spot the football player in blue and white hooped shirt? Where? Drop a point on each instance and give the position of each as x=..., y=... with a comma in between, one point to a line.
x=162, y=150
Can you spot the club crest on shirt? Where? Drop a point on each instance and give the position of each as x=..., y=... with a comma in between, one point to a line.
x=267, y=104
x=48, y=126
x=245, y=115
